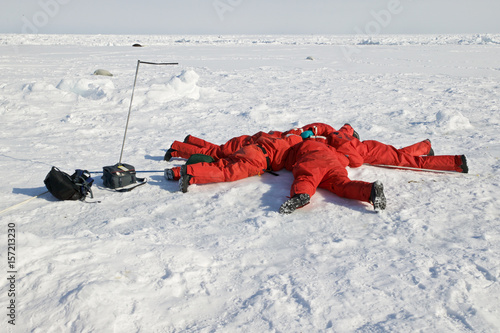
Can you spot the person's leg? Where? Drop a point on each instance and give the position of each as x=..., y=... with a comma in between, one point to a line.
x=381, y=154
x=247, y=162
x=234, y=145
x=456, y=163
x=185, y=150
x=339, y=183
x=418, y=149
x=193, y=145
x=198, y=142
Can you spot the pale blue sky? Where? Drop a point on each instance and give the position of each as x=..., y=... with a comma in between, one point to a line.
x=250, y=16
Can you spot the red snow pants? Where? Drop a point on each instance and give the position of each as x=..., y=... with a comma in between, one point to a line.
x=247, y=162
x=320, y=166
x=417, y=149
x=193, y=145
x=379, y=153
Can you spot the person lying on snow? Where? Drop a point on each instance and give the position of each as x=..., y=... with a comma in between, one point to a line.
x=315, y=164
x=376, y=153
x=193, y=145
x=268, y=153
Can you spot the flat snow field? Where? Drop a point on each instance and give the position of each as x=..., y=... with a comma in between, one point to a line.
x=220, y=258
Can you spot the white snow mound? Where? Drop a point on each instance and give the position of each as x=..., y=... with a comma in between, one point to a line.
x=180, y=86
x=91, y=89
x=450, y=121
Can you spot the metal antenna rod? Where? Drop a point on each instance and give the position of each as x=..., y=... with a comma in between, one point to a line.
x=129, y=109
x=132, y=98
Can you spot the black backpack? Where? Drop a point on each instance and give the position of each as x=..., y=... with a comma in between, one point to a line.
x=66, y=187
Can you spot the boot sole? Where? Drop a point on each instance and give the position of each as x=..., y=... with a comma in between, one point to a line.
x=292, y=204
x=379, y=202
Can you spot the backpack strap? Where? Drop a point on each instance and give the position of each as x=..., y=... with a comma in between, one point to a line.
x=140, y=182
x=82, y=179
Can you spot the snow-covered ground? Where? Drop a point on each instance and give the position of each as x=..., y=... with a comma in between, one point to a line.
x=220, y=258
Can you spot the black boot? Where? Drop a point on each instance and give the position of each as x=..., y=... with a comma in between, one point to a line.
x=184, y=180
x=354, y=133
x=297, y=201
x=465, y=168
x=377, y=197
x=169, y=174
x=431, y=151
x=168, y=154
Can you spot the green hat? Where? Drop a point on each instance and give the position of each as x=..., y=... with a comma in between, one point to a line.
x=197, y=158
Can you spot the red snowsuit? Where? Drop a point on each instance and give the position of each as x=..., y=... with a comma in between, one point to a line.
x=377, y=153
x=315, y=164
x=267, y=153
x=193, y=145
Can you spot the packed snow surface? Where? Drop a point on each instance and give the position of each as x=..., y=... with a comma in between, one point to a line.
x=220, y=258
